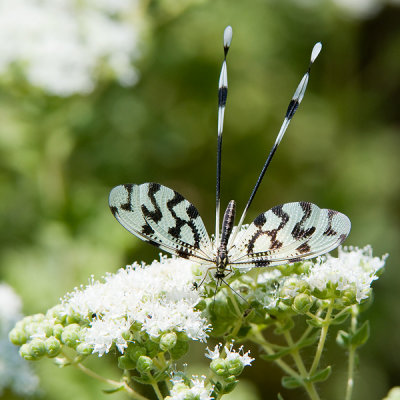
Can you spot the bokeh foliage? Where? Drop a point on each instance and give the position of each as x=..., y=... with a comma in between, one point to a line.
x=60, y=157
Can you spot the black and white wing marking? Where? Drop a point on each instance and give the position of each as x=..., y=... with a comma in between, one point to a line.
x=288, y=233
x=162, y=217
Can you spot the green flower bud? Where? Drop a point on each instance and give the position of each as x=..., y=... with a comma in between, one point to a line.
x=348, y=297
x=134, y=351
x=234, y=366
x=152, y=348
x=321, y=294
x=283, y=306
x=144, y=364
x=17, y=336
x=84, y=349
x=180, y=349
x=25, y=352
x=47, y=327
x=70, y=335
x=303, y=267
x=53, y=347
x=201, y=305
x=125, y=362
x=58, y=313
x=73, y=319
x=37, y=348
x=168, y=341
x=219, y=367
x=32, y=328
x=231, y=383
x=127, y=335
x=38, y=317
x=27, y=320
x=302, y=303
x=58, y=329
x=230, y=379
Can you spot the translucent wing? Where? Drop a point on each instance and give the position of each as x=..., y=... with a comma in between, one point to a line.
x=288, y=233
x=162, y=217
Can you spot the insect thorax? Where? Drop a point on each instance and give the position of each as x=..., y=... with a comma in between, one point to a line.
x=227, y=227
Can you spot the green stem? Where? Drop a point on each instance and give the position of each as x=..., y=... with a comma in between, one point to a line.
x=350, y=372
x=89, y=372
x=322, y=339
x=352, y=355
x=155, y=387
x=309, y=386
x=157, y=390
x=259, y=339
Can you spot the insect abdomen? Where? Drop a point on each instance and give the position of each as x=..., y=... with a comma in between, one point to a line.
x=227, y=224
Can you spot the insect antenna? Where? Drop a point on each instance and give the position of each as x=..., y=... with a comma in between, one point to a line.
x=222, y=96
x=234, y=291
x=291, y=110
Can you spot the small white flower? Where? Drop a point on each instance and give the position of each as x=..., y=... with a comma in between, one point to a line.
x=355, y=269
x=230, y=354
x=196, y=390
x=158, y=296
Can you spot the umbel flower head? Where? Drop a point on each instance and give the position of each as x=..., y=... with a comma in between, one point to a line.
x=156, y=298
x=345, y=279
x=141, y=310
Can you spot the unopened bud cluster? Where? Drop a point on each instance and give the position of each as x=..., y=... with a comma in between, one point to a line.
x=226, y=365
x=42, y=335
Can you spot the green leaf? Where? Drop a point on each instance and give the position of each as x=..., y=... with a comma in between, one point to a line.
x=308, y=341
x=314, y=323
x=361, y=335
x=145, y=380
x=284, y=326
x=113, y=390
x=243, y=331
x=280, y=397
x=343, y=339
x=340, y=319
x=288, y=382
x=321, y=375
x=275, y=356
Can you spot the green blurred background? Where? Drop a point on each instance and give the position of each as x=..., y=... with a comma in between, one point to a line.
x=60, y=156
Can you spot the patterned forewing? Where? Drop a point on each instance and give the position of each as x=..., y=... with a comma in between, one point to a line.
x=175, y=219
x=126, y=206
x=288, y=233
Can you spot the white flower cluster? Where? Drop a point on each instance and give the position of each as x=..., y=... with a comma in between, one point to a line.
x=230, y=354
x=15, y=373
x=354, y=269
x=197, y=389
x=61, y=44
x=159, y=297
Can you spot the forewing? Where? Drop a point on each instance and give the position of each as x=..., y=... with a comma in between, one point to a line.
x=288, y=233
x=162, y=217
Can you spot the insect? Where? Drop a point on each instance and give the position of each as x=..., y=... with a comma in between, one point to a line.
x=286, y=233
